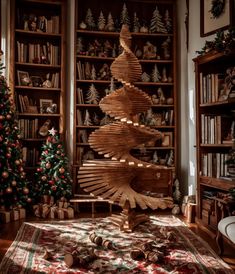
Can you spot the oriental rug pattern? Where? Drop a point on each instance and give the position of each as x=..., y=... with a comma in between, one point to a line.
x=188, y=253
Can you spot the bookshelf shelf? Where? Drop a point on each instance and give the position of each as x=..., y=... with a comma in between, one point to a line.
x=213, y=125
x=38, y=115
x=87, y=59
x=38, y=65
x=37, y=34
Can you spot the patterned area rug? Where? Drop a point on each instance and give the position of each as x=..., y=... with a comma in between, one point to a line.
x=187, y=253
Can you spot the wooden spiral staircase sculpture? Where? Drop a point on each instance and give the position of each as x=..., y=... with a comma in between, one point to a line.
x=115, y=179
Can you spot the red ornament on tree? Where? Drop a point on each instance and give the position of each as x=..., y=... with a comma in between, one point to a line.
x=25, y=190
x=48, y=165
x=5, y=174
x=61, y=170
x=9, y=190
x=53, y=188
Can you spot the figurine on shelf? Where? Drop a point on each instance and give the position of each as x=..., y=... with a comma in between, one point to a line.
x=110, y=23
x=124, y=18
x=164, y=77
x=82, y=25
x=168, y=21
x=150, y=51
x=155, y=76
x=32, y=23
x=52, y=109
x=138, y=53
x=92, y=95
x=166, y=48
x=162, y=99
x=170, y=158
x=145, y=77
x=136, y=23
x=155, y=99
x=104, y=73
x=80, y=46
x=101, y=21
x=157, y=24
x=90, y=20
x=47, y=83
x=144, y=29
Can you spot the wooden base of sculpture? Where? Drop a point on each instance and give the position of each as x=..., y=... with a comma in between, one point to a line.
x=128, y=219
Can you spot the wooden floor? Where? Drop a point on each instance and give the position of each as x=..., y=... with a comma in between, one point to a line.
x=9, y=231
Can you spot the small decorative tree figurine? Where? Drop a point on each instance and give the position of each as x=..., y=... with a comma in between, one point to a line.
x=156, y=24
x=14, y=189
x=92, y=95
x=156, y=77
x=101, y=21
x=53, y=176
x=168, y=21
x=90, y=20
x=110, y=23
x=136, y=23
x=124, y=19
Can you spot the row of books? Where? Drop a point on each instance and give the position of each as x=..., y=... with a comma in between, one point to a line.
x=26, y=104
x=38, y=53
x=30, y=156
x=210, y=87
x=41, y=23
x=80, y=97
x=214, y=165
x=28, y=128
x=214, y=128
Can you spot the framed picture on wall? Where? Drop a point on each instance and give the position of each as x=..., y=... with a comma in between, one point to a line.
x=215, y=15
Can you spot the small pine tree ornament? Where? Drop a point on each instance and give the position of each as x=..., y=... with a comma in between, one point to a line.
x=156, y=24
x=168, y=21
x=90, y=20
x=110, y=23
x=92, y=95
x=124, y=18
x=15, y=191
x=52, y=176
x=101, y=21
x=136, y=23
x=155, y=74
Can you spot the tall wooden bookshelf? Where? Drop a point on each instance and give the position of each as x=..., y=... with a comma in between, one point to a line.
x=95, y=50
x=37, y=71
x=215, y=115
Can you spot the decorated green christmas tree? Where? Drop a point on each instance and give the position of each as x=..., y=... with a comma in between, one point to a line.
x=14, y=189
x=52, y=176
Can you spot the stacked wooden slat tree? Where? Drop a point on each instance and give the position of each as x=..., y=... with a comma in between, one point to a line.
x=115, y=179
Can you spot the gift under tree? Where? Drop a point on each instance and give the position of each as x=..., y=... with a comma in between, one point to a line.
x=53, y=177
x=14, y=188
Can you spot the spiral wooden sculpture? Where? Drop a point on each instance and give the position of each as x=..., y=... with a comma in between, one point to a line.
x=115, y=179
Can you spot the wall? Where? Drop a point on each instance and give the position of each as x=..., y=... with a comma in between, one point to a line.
x=187, y=90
